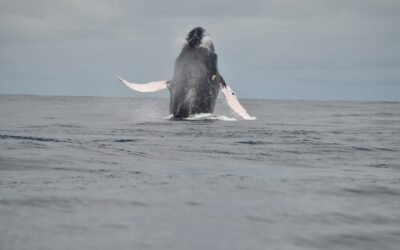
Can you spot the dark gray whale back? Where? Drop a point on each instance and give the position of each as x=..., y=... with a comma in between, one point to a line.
x=195, y=85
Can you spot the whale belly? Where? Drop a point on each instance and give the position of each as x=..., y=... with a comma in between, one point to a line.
x=193, y=88
x=194, y=96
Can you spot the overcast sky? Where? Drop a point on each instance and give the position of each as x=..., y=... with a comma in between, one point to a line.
x=281, y=49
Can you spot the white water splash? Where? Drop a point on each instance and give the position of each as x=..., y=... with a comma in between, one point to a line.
x=207, y=41
x=209, y=116
x=181, y=40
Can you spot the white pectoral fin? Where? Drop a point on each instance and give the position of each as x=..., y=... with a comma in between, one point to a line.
x=234, y=103
x=145, y=87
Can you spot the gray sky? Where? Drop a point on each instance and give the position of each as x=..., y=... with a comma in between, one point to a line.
x=281, y=49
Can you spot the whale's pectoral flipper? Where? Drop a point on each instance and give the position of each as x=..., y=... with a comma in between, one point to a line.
x=233, y=102
x=145, y=87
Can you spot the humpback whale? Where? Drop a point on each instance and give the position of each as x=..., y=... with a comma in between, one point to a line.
x=196, y=81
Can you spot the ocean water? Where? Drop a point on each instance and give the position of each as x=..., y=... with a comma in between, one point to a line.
x=116, y=173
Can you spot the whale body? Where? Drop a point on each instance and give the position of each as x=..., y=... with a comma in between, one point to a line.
x=196, y=81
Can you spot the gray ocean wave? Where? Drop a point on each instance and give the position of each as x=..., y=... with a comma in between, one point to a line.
x=96, y=173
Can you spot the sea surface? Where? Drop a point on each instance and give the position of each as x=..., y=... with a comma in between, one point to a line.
x=116, y=173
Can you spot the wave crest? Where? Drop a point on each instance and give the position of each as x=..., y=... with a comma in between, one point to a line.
x=209, y=116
